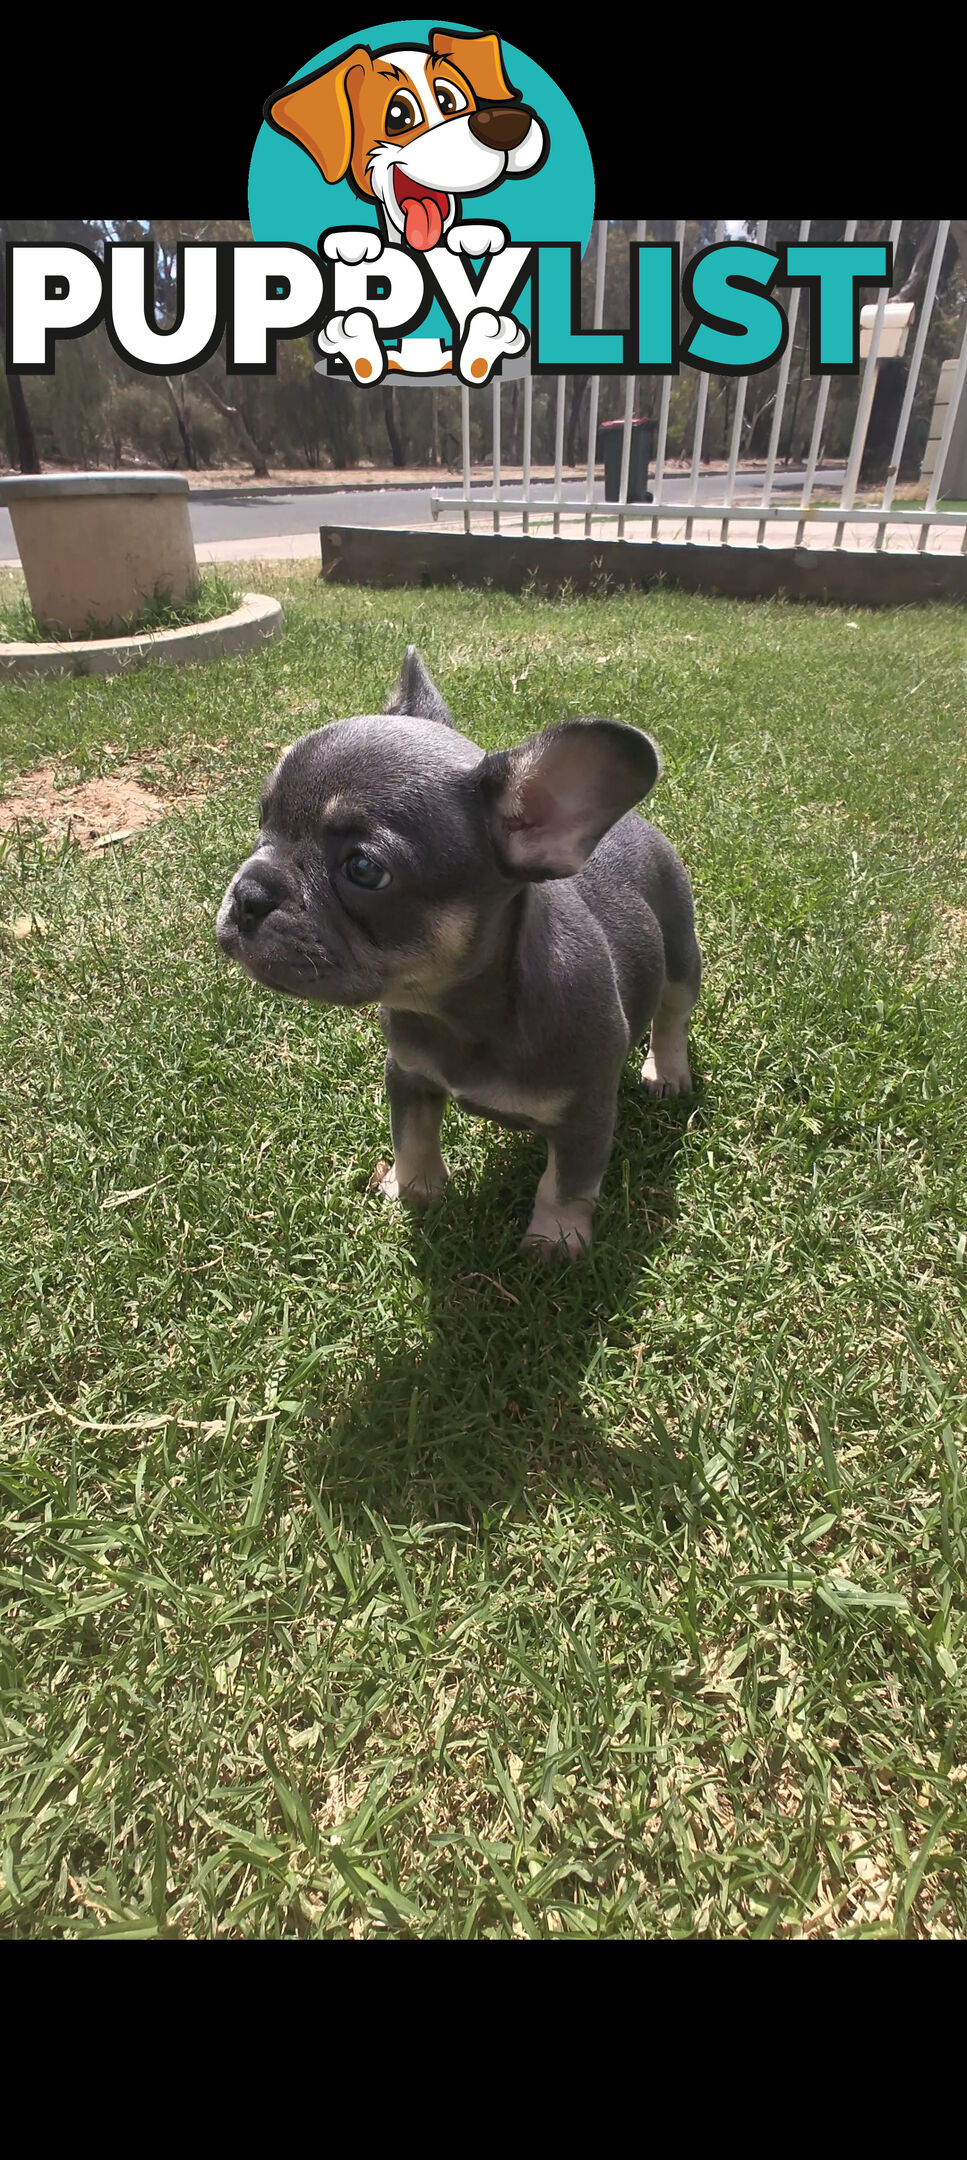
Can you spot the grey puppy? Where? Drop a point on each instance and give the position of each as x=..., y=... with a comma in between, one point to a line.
x=519, y=929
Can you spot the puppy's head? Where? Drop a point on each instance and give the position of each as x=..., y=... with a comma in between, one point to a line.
x=388, y=845
x=414, y=129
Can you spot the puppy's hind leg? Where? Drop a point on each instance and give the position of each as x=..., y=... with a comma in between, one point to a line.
x=666, y=1069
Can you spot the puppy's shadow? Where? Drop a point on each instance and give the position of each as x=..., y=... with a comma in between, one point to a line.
x=498, y=1392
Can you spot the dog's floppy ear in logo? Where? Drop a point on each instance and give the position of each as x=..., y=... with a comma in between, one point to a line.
x=318, y=114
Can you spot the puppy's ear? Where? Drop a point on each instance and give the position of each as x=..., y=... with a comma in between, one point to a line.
x=416, y=694
x=479, y=60
x=318, y=111
x=552, y=799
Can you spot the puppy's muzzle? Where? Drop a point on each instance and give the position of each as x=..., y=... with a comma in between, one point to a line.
x=256, y=893
x=500, y=127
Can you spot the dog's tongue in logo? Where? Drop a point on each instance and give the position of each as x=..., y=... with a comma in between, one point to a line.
x=424, y=210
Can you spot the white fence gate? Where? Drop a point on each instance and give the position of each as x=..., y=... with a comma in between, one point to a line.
x=728, y=517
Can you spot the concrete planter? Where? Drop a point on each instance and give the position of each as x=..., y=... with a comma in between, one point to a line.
x=257, y=619
x=96, y=546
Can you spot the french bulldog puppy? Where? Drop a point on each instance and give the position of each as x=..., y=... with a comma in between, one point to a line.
x=519, y=928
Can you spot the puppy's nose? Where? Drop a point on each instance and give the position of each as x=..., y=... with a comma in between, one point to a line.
x=500, y=127
x=254, y=895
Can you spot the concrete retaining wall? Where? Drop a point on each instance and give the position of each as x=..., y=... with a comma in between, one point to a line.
x=382, y=555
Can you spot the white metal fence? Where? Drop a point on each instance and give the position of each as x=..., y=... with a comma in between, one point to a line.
x=688, y=506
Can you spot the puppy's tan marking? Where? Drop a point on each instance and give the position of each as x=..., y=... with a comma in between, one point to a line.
x=420, y=972
x=538, y=1110
x=453, y=930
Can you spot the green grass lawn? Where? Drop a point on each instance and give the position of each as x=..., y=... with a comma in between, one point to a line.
x=362, y=1577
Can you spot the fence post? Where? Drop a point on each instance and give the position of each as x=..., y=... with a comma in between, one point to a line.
x=819, y=416
x=631, y=385
x=864, y=405
x=599, y=276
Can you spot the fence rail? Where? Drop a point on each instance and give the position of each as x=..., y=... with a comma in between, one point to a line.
x=840, y=525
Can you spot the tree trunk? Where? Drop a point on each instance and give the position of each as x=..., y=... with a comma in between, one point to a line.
x=338, y=413
x=726, y=432
x=752, y=423
x=912, y=287
x=246, y=443
x=391, y=417
x=27, y=457
x=182, y=423
x=958, y=230
x=513, y=452
x=580, y=390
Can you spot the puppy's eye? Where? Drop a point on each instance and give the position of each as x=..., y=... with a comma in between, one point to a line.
x=362, y=870
x=403, y=113
x=449, y=98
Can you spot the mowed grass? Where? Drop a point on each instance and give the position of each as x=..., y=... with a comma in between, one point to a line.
x=360, y=1577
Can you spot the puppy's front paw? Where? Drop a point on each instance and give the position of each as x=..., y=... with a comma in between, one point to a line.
x=559, y=1234
x=667, y=1074
x=418, y=1193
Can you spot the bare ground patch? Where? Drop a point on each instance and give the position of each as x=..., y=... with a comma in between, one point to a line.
x=952, y=922
x=95, y=813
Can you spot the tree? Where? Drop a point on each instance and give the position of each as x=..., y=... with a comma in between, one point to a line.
x=179, y=407
x=391, y=417
x=27, y=457
x=165, y=236
x=249, y=448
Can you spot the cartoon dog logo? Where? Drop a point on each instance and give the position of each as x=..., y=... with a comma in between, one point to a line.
x=415, y=130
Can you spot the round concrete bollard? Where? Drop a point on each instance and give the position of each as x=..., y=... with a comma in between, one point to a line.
x=95, y=547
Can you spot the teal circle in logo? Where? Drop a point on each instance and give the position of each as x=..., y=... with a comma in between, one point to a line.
x=290, y=202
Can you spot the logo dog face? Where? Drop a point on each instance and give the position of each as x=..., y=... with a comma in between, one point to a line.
x=414, y=129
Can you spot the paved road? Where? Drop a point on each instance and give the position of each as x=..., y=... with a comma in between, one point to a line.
x=232, y=514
